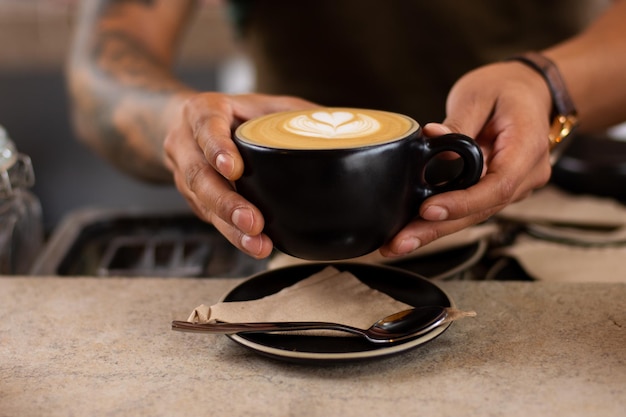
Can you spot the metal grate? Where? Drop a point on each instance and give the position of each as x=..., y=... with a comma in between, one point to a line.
x=110, y=243
x=181, y=256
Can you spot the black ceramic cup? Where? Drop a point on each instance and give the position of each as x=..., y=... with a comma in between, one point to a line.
x=338, y=183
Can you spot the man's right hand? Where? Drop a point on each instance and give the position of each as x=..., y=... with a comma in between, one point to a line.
x=205, y=162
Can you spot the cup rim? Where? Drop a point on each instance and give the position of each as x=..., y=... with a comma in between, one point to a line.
x=414, y=129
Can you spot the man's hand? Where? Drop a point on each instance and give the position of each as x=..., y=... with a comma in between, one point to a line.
x=205, y=162
x=506, y=108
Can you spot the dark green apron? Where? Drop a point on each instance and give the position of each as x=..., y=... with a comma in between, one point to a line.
x=397, y=55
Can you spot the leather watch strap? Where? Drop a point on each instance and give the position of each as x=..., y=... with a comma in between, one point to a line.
x=562, y=101
x=564, y=113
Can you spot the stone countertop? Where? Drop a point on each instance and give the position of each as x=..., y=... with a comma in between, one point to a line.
x=94, y=347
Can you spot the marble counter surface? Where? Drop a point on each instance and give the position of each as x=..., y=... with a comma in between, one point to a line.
x=96, y=347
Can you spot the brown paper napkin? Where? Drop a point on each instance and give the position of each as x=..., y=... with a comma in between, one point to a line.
x=329, y=295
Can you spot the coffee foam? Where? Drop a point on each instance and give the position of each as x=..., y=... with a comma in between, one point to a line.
x=326, y=128
x=333, y=124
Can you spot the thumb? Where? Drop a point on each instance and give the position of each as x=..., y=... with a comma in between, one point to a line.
x=436, y=129
x=469, y=105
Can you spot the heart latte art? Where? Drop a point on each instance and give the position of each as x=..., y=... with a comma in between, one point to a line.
x=333, y=124
x=326, y=128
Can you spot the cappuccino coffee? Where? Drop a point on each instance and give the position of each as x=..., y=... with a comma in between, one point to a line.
x=337, y=183
x=326, y=128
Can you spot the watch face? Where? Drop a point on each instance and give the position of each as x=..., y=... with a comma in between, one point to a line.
x=562, y=127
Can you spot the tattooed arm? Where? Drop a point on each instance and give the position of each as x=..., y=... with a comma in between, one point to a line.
x=121, y=82
x=130, y=108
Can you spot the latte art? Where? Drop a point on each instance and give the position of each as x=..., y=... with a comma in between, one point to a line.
x=337, y=124
x=326, y=128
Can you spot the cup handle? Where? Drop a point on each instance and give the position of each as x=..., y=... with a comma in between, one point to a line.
x=469, y=152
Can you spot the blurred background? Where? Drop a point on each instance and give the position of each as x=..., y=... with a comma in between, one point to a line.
x=34, y=42
x=98, y=221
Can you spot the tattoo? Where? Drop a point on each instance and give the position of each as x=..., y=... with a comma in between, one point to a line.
x=133, y=90
x=121, y=91
x=122, y=57
x=146, y=2
x=107, y=5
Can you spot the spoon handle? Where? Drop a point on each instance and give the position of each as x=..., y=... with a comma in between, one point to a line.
x=260, y=327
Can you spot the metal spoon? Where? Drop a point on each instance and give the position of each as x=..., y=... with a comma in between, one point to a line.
x=399, y=326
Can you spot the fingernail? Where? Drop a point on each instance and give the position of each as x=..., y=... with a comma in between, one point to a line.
x=252, y=245
x=408, y=245
x=225, y=164
x=435, y=213
x=243, y=219
x=443, y=129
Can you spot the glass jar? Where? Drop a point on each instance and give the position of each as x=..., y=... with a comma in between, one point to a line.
x=21, y=222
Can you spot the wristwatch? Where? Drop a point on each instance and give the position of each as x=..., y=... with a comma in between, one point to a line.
x=564, y=115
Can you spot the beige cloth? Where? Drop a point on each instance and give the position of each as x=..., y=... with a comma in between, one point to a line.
x=591, y=248
x=583, y=238
x=552, y=205
x=464, y=237
x=329, y=295
x=578, y=236
x=559, y=262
